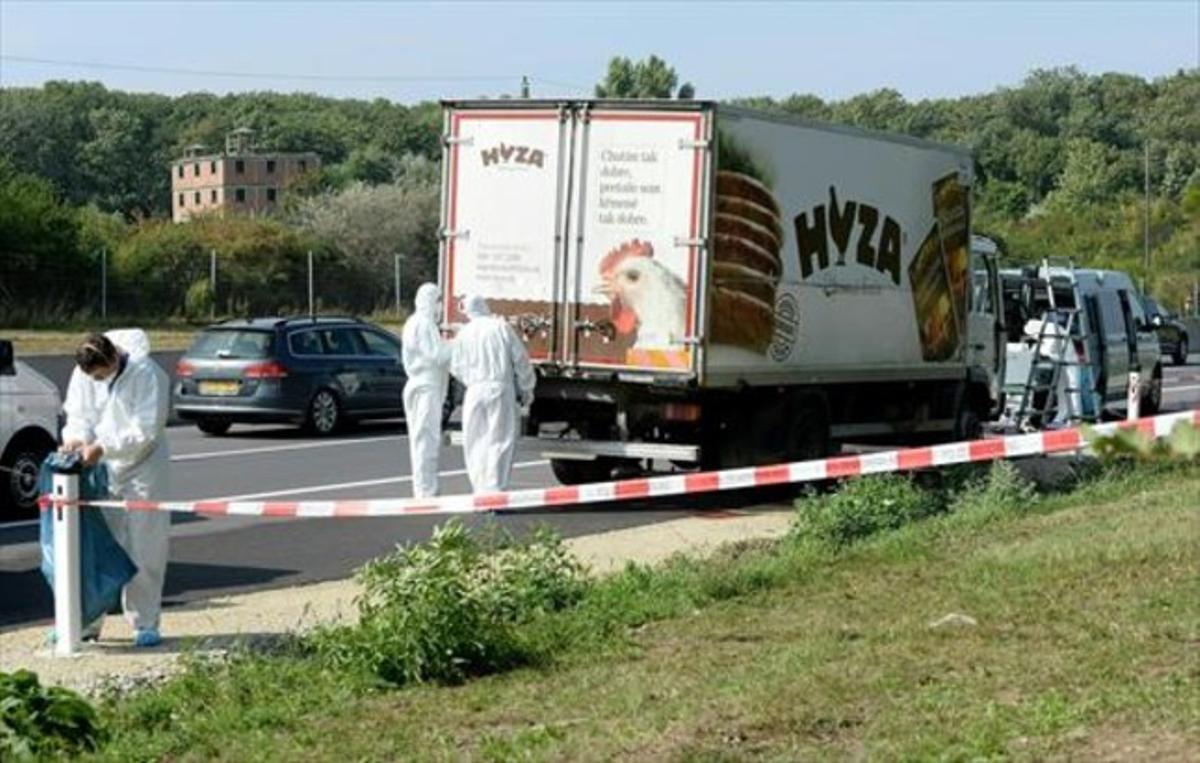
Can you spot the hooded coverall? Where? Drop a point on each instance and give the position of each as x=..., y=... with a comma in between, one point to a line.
x=127, y=415
x=426, y=357
x=491, y=361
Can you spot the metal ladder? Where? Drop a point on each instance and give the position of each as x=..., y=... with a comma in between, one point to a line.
x=1064, y=320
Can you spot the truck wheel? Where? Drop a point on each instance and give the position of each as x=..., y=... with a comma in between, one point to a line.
x=810, y=438
x=967, y=425
x=1181, y=352
x=215, y=427
x=572, y=472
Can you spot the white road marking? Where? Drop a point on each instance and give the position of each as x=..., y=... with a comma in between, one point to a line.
x=277, y=448
x=359, y=483
x=1189, y=388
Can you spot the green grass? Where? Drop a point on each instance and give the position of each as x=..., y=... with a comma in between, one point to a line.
x=1088, y=618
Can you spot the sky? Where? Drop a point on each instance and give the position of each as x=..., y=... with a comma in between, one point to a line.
x=408, y=52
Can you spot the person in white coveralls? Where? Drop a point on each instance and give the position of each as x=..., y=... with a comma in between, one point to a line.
x=491, y=361
x=116, y=415
x=426, y=363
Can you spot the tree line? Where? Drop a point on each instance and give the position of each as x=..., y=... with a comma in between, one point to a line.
x=1062, y=164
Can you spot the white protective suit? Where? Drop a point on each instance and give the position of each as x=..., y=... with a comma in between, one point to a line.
x=1056, y=345
x=426, y=358
x=491, y=361
x=127, y=416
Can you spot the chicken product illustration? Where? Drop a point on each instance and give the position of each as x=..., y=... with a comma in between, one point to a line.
x=645, y=297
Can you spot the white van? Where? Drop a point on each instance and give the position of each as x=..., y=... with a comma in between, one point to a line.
x=1113, y=334
x=29, y=425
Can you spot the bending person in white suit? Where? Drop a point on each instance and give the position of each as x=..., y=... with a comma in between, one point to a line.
x=491, y=361
x=116, y=414
x=426, y=361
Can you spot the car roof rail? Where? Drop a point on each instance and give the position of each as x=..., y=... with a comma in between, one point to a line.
x=313, y=319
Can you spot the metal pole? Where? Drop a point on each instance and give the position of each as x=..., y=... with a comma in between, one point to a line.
x=68, y=608
x=311, y=312
x=397, y=284
x=104, y=283
x=1133, y=410
x=1146, y=250
x=212, y=283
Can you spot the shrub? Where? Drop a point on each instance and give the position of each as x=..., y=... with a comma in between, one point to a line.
x=38, y=721
x=450, y=609
x=863, y=507
x=1002, y=489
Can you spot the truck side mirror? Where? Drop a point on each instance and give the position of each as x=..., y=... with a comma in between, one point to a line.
x=1156, y=321
x=8, y=366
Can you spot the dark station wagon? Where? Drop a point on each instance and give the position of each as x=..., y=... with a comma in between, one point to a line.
x=316, y=372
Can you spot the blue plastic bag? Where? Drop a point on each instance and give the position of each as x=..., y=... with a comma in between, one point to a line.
x=104, y=567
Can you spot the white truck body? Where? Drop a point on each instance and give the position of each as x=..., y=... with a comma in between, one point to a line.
x=692, y=245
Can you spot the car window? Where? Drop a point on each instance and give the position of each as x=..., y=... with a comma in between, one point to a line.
x=306, y=343
x=342, y=341
x=379, y=345
x=231, y=343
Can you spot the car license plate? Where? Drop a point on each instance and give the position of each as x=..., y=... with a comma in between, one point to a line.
x=218, y=388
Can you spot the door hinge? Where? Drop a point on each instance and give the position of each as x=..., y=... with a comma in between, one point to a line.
x=465, y=234
x=696, y=242
x=466, y=140
x=690, y=143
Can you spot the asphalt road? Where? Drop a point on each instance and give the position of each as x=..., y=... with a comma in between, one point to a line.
x=214, y=556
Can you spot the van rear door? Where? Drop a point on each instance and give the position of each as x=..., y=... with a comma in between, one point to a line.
x=1115, y=339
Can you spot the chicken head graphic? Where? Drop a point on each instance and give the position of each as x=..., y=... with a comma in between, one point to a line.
x=645, y=297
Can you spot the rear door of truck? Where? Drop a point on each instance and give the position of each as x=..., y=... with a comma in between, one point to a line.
x=504, y=201
x=635, y=267
x=583, y=224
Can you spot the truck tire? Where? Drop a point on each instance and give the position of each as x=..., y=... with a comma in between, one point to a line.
x=1181, y=352
x=572, y=472
x=810, y=436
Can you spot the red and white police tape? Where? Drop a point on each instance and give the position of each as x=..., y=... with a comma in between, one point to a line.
x=991, y=449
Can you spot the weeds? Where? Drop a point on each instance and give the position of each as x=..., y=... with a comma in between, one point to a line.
x=40, y=721
x=446, y=610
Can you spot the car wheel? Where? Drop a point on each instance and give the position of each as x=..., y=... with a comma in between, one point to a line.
x=19, y=480
x=215, y=427
x=324, y=413
x=1181, y=352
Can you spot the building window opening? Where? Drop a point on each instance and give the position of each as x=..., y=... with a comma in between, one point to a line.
x=270, y=166
x=270, y=194
x=239, y=166
x=241, y=194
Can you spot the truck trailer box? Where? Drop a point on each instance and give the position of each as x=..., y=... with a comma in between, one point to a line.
x=688, y=245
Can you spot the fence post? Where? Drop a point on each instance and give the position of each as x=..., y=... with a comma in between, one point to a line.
x=212, y=283
x=311, y=312
x=399, y=306
x=68, y=608
x=104, y=283
x=1134, y=400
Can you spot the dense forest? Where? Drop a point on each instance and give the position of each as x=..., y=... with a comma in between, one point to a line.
x=1062, y=165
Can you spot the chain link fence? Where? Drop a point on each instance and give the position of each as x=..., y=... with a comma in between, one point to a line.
x=200, y=288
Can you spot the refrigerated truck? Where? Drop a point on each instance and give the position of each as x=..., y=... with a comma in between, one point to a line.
x=714, y=286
